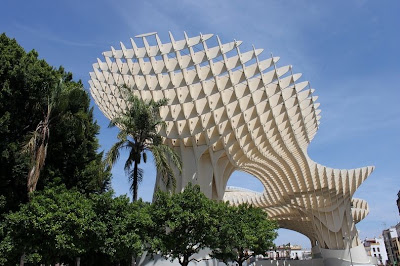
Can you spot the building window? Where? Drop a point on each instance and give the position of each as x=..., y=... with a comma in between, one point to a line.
x=373, y=249
x=379, y=250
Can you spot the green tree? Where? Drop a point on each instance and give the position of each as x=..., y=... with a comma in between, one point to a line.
x=26, y=84
x=127, y=227
x=139, y=125
x=244, y=231
x=184, y=223
x=57, y=225
x=65, y=226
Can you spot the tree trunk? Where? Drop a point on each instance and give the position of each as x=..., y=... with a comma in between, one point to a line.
x=78, y=261
x=185, y=261
x=22, y=260
x=133, y=260
x=135, y=181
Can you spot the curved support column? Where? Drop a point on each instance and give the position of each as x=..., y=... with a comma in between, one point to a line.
x=335, y=227
x=345, y=257
x=337, y=240
x=204, y=167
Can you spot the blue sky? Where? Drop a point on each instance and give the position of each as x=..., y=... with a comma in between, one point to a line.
x=348, y=50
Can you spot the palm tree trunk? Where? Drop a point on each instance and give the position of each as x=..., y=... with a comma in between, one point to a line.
x=22, y=260
x=135, y=181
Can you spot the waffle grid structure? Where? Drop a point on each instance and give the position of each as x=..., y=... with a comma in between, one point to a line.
x=231, y=110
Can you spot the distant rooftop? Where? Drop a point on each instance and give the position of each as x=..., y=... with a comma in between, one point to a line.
x=240, y=189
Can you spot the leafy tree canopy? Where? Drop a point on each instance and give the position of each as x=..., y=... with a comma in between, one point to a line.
x=127, y=227
x=26, y=83
x=60, y=225
x=245, y=231
x=184, y=223
x=57, y=225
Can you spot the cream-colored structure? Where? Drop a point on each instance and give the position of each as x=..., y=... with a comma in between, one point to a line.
x=231, y=110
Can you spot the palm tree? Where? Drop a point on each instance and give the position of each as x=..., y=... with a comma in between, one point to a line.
x=38, y=141
x=139, y=125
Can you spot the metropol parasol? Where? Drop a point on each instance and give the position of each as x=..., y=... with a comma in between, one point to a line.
x=237, y=110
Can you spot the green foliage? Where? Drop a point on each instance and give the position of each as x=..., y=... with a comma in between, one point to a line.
x=244, y=231
x=127, y=226
x=184, y=223
x=187, y=222
x=56, y=224
x=26, y=85
x=139, y=125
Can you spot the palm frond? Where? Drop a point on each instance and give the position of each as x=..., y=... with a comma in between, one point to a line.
x=39, y=159
x=59, y=99
x=162, y=102
x=171, y=154
x=30, y=145
x=176, y=159
x=113, y=154
x=38, y=141
x=163, y=167
x=122, y=135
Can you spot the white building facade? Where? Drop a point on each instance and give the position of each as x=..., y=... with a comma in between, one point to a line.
x=288, y=252
x=375, y=248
